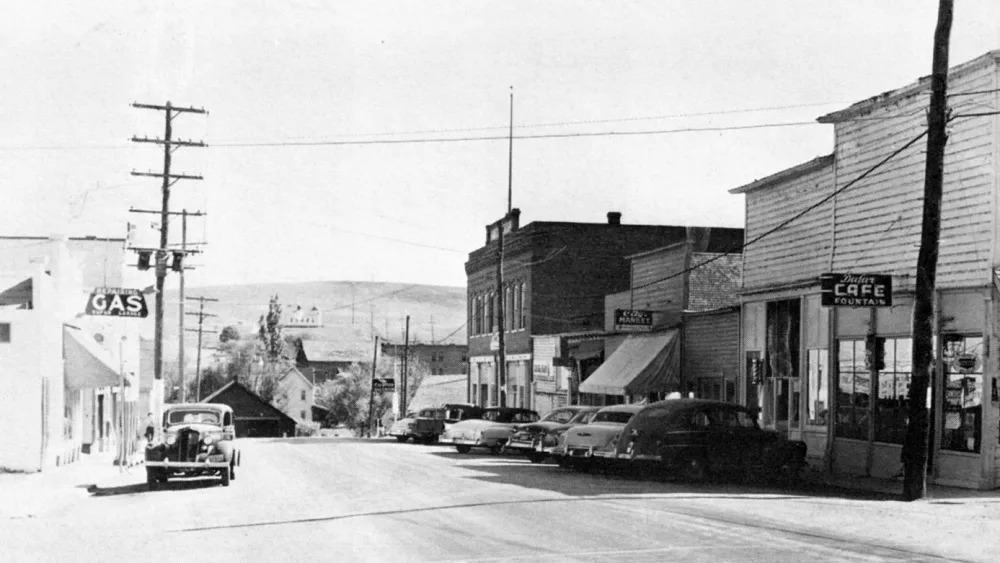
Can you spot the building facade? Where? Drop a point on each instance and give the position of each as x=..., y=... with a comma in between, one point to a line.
x=440, y=359
x=809, y=367
x=554, y=279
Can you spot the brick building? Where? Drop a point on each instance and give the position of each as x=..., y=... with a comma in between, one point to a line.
x=440, y=359
x=555, y=278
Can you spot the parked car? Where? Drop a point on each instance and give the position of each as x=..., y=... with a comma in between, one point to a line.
x=198, y=439
x=457, y=412
x=492, y=431
x=581, y=446
x=538, y=439
x=697, y=438
x=423, y=426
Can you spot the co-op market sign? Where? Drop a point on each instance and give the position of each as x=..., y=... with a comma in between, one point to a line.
x=117, y=302
x=856, y=290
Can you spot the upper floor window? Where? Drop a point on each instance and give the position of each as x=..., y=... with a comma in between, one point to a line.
x=303, y=394
x=4, y=332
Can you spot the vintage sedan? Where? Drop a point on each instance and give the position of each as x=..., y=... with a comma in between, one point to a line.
x=695, y=438
x=198, y=439
x=581, y=446
x=492, y=431
x=538, y=439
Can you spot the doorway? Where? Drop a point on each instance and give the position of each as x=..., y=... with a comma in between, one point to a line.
x=782, y=387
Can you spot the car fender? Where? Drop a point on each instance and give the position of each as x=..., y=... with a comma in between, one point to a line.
x=226, y=449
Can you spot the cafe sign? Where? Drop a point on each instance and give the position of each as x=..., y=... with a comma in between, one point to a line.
x=632, y=320
x=856, y=290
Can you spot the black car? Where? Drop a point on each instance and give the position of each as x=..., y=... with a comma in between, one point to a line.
x=696, y=438
x=198, y=439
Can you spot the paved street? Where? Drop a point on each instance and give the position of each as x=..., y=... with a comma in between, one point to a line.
x=340, y=499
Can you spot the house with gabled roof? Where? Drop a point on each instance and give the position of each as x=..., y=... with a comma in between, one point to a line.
x=253, y=416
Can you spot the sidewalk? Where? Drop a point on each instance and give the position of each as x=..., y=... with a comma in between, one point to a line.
x=28, y=495
x=893, y=488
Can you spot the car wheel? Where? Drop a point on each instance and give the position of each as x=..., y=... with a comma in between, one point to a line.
x=495, y=450
x=402, y=439
x=694, y=470
x=791, y=472
x=536, y=457
x=225, y=477
x=463, y=449
x=562, y=462
x=150, y=479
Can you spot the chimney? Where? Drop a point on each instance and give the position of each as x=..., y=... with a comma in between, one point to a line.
x=614, y=218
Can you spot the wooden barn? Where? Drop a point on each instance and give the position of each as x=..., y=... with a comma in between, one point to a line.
x=254, y=417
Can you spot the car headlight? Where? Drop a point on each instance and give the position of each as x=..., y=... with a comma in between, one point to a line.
x=171, y=439
x=208, y=439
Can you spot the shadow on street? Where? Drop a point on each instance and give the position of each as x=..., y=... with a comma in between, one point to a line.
x=514, y=470
x=135, y=488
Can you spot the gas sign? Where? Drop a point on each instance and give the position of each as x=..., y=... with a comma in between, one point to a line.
x=117, y=302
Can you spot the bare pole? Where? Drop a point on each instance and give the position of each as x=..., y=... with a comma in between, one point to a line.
x=915, y=444
x=371, y=395
x=501, y=373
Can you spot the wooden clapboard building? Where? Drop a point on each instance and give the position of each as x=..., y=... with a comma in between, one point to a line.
x=804, y=364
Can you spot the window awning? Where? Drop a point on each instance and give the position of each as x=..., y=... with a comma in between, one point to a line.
x=87, y=364
x=642, y=364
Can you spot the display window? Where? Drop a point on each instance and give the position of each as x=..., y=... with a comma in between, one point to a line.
x=854, y=390
x=962, y=414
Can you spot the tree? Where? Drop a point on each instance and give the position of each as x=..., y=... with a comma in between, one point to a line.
x=228, y=334
x=270, y=330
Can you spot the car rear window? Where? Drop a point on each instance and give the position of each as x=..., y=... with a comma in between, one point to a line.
x=612, y=416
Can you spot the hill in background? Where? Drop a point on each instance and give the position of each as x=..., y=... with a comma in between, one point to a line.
x=353, y=313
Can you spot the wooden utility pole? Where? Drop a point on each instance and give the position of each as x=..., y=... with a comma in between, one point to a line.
x=915, y=444
x=501, y=372
x=201, y=314
x=169, y=145
x=182, y=266
x=406, y=367
x=371, y=395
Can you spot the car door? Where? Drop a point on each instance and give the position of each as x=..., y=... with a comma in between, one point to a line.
x=735, y=444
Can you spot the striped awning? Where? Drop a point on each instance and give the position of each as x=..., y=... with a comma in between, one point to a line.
x=87, y=364
x=642, y=364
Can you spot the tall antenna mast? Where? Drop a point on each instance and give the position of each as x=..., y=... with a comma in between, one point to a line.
x=510, y=155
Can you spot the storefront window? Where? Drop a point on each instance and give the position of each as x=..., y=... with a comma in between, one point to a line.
x=854, y=391
x=963, y=393
x=818, y=388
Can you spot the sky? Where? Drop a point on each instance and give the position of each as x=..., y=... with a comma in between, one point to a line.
x=367, y=141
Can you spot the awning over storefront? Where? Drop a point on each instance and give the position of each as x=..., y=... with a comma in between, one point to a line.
x=643, y=363
x=586, y=349
x=87, y=364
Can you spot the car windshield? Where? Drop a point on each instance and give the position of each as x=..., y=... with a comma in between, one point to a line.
x=612, y=416
x=191, y=416
x=581, y=417
x=559, y=416
x=432, y=413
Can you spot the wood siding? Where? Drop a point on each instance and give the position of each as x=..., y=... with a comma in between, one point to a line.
x=711, y=347
x=799, y=251
x=878, y=220
x=667, y=298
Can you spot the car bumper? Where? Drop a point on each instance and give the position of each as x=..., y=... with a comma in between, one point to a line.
x=188, y=464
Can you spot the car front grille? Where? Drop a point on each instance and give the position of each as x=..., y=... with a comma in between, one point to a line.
x=188, y=441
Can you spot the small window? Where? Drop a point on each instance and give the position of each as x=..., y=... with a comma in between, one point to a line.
x=302, y=415
x=227, y=419
x=5, y=332
x=303, y=394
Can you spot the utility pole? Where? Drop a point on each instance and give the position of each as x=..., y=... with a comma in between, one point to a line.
x=371, y=321
x=181, y=267
x=432, y=329
x=501, y=372
x=201, y=314
x=371, y=395
x=169, y=145
x=406, y=366
x=915, y=444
